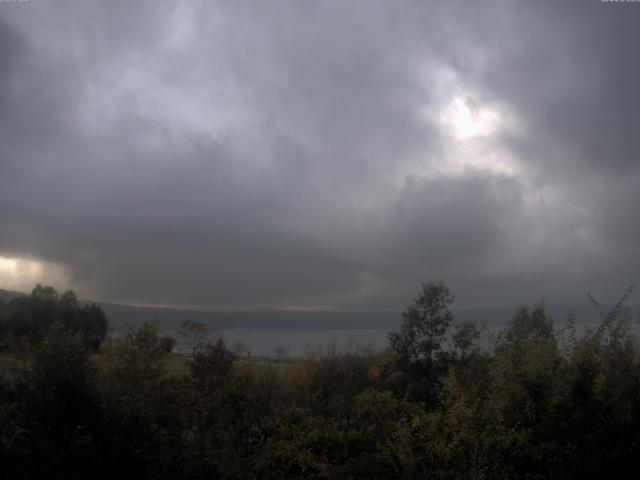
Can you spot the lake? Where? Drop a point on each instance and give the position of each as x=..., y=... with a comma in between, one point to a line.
x=295, y=342
x=263, y=343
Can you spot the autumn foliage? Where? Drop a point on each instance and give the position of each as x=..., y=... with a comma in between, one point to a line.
x=443, y=401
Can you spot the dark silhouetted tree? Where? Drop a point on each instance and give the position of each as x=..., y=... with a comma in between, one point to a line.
x=418, y=344
x=193, y=333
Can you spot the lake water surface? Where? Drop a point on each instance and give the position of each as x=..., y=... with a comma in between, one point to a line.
x=265, y=343
x=295, y=342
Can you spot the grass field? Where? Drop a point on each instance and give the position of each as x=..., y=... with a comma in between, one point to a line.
x=176, y=363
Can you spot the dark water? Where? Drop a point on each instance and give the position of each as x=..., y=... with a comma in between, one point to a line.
x=265, y=343
x=298, y=342
x=295, y=342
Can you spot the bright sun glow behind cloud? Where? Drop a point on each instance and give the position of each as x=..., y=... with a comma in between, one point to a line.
x=22, y=274
x=467, y=123
x=471, y=134
x=470, y=126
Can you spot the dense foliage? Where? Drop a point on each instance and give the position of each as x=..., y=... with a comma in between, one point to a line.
x=441, y=402
x=29, y=319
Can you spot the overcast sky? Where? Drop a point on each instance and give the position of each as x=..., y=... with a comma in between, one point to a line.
x=320, y=154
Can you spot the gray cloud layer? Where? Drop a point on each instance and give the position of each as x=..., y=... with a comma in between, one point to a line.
x=306, y=154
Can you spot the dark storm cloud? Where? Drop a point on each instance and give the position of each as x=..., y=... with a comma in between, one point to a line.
x=295, y=154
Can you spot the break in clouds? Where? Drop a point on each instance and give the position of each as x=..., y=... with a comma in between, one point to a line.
x=319, y=154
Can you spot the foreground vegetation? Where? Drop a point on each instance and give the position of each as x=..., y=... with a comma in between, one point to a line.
x=438, y=403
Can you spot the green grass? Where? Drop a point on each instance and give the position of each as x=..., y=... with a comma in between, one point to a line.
x=176, y=363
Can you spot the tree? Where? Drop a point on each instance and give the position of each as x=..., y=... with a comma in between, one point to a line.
x=139, y=399
x=418, y=344
x=167, y=343
x=211, y=363
x=29, y=318
x=528, y=323
x=280, y=351
x=193, y=333
x=59, y=389
x=465, y=340
x=425, y=323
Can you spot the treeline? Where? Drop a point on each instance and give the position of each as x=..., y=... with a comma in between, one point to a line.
x=441, y=402
x=29, y=319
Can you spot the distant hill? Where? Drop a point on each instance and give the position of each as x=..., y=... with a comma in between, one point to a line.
x=6, y=295
x=251, y=319
x=317, y=320
x=120, y=314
